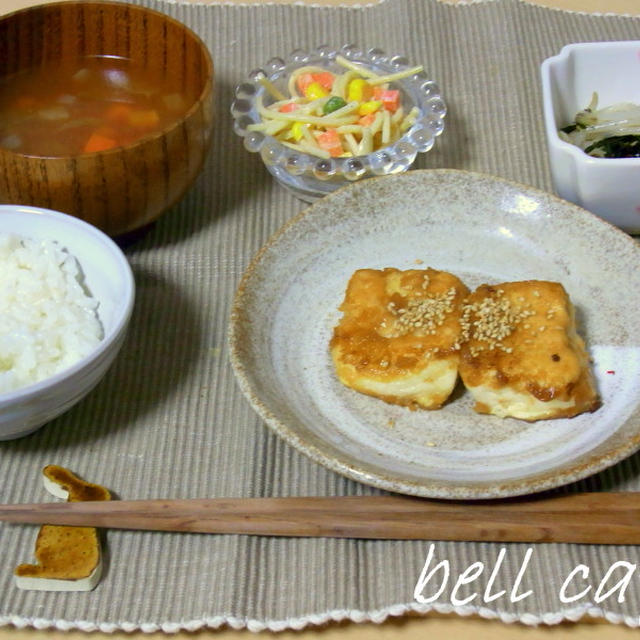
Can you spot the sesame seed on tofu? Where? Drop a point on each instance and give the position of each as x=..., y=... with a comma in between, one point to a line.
x=490, y=321
x=424, y=314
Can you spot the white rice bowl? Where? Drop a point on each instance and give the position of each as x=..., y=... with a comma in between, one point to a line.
x=62, y=324
x=48, y=321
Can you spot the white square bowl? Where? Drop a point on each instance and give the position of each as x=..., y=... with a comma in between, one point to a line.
x=608, y=187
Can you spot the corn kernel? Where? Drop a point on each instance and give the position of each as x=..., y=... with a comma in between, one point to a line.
x=315, y=90
x=358, y=90
x=296, y=131
x=369, y=107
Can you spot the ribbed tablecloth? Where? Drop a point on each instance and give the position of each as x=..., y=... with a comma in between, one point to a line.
x=168, y=419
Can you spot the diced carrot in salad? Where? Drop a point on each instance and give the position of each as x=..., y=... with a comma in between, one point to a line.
x=288, y=107
x=390, y=98
x=325, y=79
x=303, y=81
x=329, y=140
x=367, y=120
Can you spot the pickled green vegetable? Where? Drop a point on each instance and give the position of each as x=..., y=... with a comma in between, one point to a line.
x=610, y=132
x=616, y=147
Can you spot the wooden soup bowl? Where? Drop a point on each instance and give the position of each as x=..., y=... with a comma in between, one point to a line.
x=125, y=188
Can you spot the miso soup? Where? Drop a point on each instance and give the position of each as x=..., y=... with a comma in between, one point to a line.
x=94, y=104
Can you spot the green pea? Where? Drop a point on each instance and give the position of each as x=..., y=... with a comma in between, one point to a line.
x=333, y=104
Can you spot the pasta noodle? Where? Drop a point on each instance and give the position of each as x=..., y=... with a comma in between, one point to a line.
x=314, y=151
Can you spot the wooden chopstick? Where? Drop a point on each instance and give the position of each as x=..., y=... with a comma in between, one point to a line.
x=602, y=518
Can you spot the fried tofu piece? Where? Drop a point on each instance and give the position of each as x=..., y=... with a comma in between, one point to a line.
x=69, y=558
x=521, y=354
x=399, y=336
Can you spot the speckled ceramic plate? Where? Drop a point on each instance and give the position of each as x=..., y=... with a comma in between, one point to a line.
x=482, y=229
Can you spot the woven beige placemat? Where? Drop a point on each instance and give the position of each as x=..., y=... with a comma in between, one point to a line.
x=169, y=421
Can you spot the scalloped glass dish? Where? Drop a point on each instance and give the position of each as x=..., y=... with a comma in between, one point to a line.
x=310, y=177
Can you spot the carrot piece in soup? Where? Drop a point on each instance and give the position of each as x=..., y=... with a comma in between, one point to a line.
x=117, y=112
x=97, y=142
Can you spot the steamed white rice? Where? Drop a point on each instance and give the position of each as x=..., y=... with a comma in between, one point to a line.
x=47, y=320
